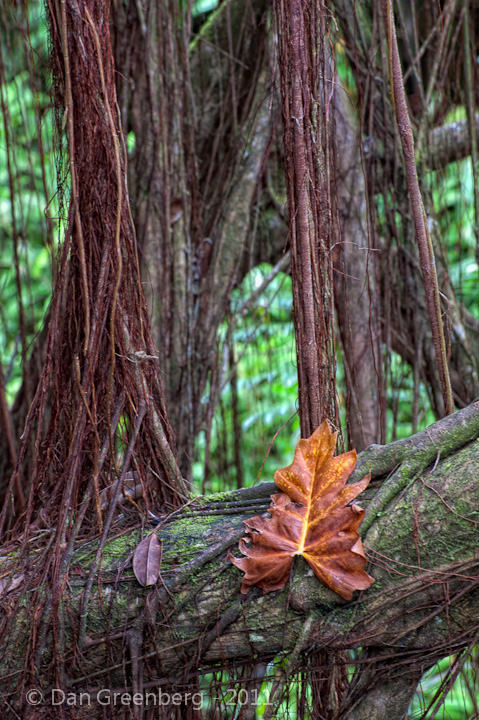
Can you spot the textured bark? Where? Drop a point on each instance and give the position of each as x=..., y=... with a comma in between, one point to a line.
x=449, y=143
x=17, y=416
x=423, y=237
x=357, y=298
x=306, y=76
x=464, y=328
x=403, y=313
x=307, y=134
x=202, y=126
x=389, y=699
x=422, y=548
x=446, y=144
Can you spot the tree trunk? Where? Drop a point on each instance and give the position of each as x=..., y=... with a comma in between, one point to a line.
x=357, y=296
x=202, y=128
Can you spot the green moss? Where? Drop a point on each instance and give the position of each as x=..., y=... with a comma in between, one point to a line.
x=187, y=537
x=344, y=619
x=429, y=523
x=114, y=553
x=216, y=498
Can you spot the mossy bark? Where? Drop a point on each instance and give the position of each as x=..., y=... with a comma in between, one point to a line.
x=422, y=547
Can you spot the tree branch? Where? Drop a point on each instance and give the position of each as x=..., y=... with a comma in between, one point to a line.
x=422, y=553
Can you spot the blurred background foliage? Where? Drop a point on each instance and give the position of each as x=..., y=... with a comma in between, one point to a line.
x=255, y=427
x=28, y=206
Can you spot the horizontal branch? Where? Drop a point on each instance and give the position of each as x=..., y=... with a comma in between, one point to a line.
x=449, y=143
x=422, y=552
x=446, y=144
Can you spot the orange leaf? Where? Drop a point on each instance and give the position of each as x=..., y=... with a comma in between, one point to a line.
x=311, y=517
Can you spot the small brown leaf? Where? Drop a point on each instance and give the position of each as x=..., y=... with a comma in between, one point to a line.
x=147, y=560
x=9, y=584
x=311, y=517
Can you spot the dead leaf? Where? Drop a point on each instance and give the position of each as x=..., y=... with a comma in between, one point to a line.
x=147, y=560
x=311, y=517
x=9, y=584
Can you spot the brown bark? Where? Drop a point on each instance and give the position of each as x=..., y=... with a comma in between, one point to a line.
x=357, y=298
x=449, y=143
x=306, y=89
x=425, y=248
x=17, y=415
x=202, y=121
x=307, y=133
x=422, y=606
